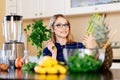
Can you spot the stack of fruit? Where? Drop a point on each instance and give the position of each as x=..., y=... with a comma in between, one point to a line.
x=48, y=65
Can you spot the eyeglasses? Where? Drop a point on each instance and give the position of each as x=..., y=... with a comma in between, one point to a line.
x=66, y=25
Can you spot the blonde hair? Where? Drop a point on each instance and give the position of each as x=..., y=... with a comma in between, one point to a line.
x=51, y=26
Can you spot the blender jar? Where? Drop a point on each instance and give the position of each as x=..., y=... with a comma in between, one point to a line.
x=12, y=28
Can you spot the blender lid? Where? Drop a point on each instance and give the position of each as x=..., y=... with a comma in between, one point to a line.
x=15, y=17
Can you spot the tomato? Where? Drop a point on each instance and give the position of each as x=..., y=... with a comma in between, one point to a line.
x=19, y=62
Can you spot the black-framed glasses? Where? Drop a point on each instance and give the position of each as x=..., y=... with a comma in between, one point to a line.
x=66, y=25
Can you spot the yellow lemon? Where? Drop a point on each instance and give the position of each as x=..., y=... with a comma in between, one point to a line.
x=40, y=70
x=61, y=69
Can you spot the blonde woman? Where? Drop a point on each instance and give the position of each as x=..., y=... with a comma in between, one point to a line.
x=62, y=38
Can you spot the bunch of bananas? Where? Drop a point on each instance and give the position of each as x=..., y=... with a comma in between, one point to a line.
x=50, y=66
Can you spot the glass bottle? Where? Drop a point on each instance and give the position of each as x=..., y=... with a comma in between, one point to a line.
x=25, y=58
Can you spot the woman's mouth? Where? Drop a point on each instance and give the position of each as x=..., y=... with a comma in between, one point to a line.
x=63, y=32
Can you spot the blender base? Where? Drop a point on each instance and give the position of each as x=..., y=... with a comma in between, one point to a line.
x=17, y=48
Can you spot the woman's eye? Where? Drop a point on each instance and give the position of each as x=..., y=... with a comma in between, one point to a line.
x=58, y=25
x=65, y=24
x=62, y=25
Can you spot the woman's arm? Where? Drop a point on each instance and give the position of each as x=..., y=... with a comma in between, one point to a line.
x=52, y=48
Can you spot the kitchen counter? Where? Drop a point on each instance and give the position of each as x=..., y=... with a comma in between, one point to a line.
x=112, y=74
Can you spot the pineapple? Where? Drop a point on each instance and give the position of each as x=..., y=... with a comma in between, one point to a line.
x=100, y=31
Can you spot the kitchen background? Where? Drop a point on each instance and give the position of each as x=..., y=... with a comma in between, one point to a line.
x=79, y=23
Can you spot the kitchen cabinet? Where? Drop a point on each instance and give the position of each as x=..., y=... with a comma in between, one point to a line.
x=31, y=8
x=34, y=8
x=52, y=7
x=41, y=8
x=13, y=7
x=46, y=8
x=73, y=7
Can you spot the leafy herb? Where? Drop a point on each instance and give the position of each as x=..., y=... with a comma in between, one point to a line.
x=77, y=63
x=38, y=34
x=29, y=66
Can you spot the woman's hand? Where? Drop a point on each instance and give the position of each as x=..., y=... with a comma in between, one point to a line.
x=52, y=48
x=90, y=41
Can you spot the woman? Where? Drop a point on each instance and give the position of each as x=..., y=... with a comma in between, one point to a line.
x=62, y=38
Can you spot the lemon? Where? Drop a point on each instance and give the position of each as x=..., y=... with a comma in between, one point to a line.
x=51, y=70
x=60, y=68
x=40, y=70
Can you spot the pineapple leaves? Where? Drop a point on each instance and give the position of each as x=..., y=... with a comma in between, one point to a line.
x=37, y=34
x=99, y=29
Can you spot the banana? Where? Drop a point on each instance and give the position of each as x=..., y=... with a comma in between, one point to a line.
x=61, y=69
x=48, y=62
x=50, y=66
x=51, y=70
x=39, y=69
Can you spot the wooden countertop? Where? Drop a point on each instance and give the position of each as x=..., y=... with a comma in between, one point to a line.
x=112, y=74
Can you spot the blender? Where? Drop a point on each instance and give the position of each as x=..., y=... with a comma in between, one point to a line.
x=12, y=31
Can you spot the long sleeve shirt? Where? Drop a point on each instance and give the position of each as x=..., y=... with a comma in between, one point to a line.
x=60, y=57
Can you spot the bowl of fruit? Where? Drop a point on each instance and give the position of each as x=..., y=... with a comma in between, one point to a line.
x=84, y=60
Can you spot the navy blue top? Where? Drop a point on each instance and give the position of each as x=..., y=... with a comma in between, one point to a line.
x=59, y=47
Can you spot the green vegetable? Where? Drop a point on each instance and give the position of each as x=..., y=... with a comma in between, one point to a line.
x=53, y=47
x=37, y=34
x=90, y=27
x=77, y=63
x=29, y=66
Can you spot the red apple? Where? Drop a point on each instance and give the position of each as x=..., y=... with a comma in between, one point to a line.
x=19, y=62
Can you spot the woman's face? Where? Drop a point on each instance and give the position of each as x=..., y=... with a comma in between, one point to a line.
x=61, y=28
